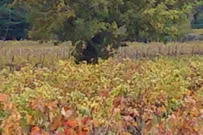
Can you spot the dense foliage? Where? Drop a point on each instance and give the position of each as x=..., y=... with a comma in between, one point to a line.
x=159, y=96
x=198, y=16
x=97, y=27
x=13, y=22
x=76, y=20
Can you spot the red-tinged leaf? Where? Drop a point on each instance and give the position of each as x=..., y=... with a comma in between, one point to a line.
x=168, y=133
x=3, y=97
x=51, y=105
x=69, y=131
x=71, y=123
x=117, y=102
x=35, y=131
x=85, y=120
x=201, y=130
x=104, y=93
x=149, y=126
x=160, y=111
x=45, y=133
x=57, y=122
x=201, y=113
x=37, y=104
x=85, y=131
x=161, y=128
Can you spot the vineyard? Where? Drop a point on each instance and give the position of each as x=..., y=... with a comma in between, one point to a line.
x=157, y=96
x=101, y=67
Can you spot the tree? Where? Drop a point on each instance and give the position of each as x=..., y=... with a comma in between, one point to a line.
x=111, y=20
x=5, y=2
x=13, y=23
x=197, y=21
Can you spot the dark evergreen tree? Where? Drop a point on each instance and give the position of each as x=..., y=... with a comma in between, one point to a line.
x=197, y=21
x=13, y=22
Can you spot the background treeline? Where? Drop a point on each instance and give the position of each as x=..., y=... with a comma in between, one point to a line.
x=197, y=20
x=96, y=27
x=76, y=20
x=13, y=21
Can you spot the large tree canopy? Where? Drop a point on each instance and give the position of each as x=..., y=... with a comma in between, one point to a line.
x=111, y=20
x=82, y=20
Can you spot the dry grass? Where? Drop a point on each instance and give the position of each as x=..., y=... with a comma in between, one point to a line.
x=197, y=31
x=33, y=52
x=139, y=50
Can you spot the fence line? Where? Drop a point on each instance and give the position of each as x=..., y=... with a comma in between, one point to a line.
x=41, y=53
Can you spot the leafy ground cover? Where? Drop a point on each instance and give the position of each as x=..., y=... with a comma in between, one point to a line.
x=160, y=96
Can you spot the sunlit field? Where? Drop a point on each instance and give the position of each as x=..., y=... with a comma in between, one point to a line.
x=136, y=92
